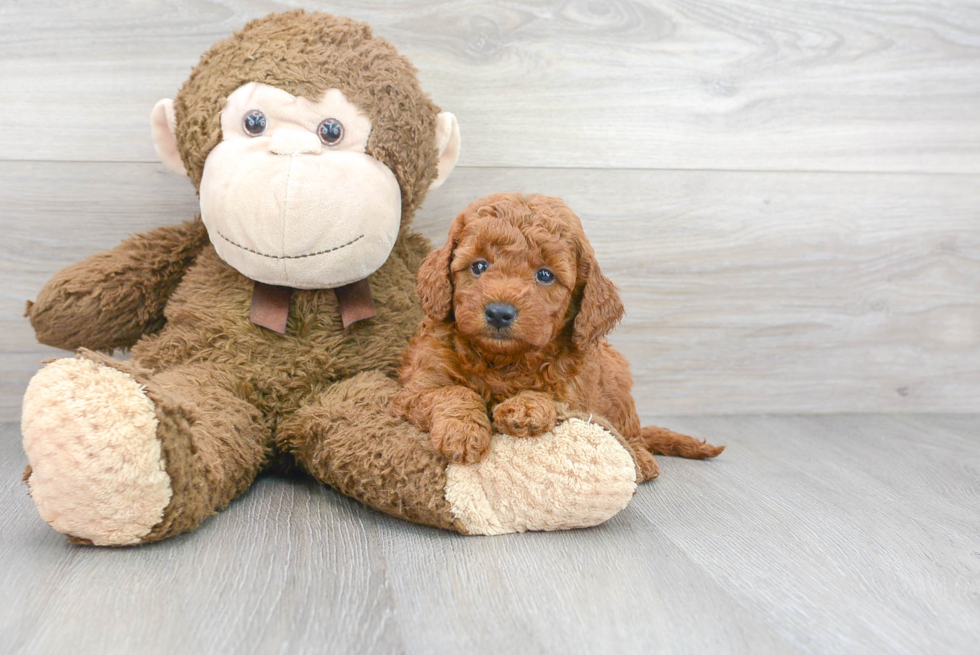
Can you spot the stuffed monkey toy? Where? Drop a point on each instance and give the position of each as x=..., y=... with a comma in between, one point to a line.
x=267, y=330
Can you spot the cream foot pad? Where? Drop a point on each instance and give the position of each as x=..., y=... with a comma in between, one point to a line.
x=576, y=476
x=97, y=469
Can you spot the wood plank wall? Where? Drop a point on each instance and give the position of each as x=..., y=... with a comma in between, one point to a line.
x=788, y=194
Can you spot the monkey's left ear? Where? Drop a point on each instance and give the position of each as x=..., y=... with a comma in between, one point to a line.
x=447, y=142
x=164, y=125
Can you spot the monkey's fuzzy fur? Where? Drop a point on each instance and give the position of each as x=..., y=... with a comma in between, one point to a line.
x=306, y=54
x=231, y=398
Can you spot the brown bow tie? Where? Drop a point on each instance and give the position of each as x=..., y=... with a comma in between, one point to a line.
x=270, y=304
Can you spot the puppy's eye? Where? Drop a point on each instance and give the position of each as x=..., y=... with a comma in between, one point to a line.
x=331, y=131
x=255, y=123
x=544, y=276
x=478, y=267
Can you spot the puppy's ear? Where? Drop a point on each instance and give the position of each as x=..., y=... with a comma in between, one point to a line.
x=435, y=282
x=600, y=307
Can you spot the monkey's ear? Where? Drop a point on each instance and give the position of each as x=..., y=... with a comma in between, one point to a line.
x=164, y=125
x=600, y=307
x=447, y=142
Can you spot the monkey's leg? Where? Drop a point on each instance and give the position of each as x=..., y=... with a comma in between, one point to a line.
x=119, y=458
x=577, y=475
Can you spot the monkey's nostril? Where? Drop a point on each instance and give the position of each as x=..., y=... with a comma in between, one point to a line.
x=294, y=142
x=500, y=315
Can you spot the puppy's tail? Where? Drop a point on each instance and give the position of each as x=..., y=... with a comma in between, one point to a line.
x=661, y=441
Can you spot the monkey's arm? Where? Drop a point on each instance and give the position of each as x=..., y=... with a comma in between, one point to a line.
x=111, y=299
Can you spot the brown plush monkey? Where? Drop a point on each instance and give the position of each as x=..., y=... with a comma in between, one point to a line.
x=268, y=331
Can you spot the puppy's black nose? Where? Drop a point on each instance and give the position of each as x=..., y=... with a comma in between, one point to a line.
x=500, y=315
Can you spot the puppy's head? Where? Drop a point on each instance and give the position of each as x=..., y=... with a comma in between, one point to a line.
x=517, y=271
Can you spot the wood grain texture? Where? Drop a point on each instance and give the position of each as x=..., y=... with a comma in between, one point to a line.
x=809, y=535
x=747, y=85
x=769, y=292
x=745, y=292
x=817, y=249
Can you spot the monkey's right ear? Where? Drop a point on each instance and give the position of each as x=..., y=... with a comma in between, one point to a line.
x=164, y=125
x=447, y=143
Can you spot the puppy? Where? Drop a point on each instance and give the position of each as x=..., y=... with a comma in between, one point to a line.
x=517, y=313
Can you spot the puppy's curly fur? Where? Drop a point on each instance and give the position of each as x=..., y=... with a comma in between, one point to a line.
x=466, y=374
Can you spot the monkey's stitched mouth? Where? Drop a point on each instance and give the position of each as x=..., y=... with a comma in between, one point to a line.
x=309, y=254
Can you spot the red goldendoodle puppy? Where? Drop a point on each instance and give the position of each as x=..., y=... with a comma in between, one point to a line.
x=517, y=317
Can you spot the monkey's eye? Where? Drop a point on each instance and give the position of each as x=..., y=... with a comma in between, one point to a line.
x=478, y=267
x=331, y=131
x=544, y=276
x=255, y=123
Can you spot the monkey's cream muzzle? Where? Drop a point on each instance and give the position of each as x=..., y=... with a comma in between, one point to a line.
x=287, y=207
x=297, y=219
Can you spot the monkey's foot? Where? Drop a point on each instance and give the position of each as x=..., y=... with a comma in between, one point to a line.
x=96, y=468
x=576, y=476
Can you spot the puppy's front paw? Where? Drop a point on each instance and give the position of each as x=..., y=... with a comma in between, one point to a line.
x=527, y=414
x=462, y=442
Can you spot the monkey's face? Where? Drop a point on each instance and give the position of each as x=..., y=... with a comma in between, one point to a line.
x=307, y=183
x=290, y=197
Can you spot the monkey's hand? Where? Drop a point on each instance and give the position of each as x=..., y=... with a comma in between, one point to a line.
x=113, y=298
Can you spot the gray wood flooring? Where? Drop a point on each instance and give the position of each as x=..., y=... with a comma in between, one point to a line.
x=833, y=534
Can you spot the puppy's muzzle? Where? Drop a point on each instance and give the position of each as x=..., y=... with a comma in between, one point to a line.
x=500, y=315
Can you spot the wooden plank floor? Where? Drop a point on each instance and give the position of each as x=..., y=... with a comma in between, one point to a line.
x=845, y=534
